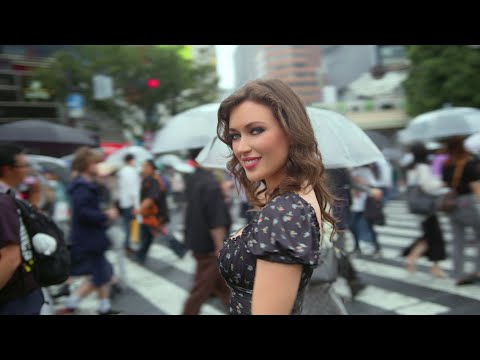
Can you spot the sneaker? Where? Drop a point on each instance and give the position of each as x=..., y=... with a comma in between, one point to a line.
x=109, y=312
x=66, y=311
x=356, y=286
x=377, y=254
x=468, y=280
x=115, y=290
x=64, y=291
x=129, y=252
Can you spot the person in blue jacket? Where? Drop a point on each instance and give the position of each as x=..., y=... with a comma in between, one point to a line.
x=88, y=234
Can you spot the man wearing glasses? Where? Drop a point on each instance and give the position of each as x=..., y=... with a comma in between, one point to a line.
x=19, y=294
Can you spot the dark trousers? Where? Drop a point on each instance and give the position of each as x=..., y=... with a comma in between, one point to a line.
x=146, y=239
x=30, y=304
x=207, y=282
x=127, y=217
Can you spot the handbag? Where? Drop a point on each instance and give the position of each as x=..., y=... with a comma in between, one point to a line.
x=374, y=211
x=327, y=270
x=419, y=202
x=151, y=217
x=134, y=231
x=448, y=202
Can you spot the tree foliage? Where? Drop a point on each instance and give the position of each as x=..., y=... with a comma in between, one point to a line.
x=442, y=74
x=131, y=67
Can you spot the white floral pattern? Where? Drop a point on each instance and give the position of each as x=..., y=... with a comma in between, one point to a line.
x=285, y=231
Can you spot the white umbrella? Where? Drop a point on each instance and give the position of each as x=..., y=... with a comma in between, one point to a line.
x=175, y=162
x=441, y=124
x=190, y=129
x=140, y=153
x=472, y=143
x=341, y=142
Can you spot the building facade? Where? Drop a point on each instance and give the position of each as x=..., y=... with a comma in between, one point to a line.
x=297, y=65
x=245, y=64
x=20, y=96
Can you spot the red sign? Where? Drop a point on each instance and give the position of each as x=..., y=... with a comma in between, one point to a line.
x=109, y=148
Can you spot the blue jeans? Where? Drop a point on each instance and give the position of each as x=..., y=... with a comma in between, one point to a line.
x=362, y=230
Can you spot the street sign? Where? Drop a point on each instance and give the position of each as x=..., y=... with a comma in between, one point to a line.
x=75, y=104
x=102, y=87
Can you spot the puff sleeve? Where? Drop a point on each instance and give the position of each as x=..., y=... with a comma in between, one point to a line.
x=285, y=232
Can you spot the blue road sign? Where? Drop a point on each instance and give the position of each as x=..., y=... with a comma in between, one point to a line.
x=75, y=101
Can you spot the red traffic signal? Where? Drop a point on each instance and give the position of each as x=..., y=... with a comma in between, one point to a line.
x=153, y=83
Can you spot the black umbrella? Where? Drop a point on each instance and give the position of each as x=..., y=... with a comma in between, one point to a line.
x=46, y=138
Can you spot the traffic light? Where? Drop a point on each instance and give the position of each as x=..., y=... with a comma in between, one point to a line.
x=153, y=83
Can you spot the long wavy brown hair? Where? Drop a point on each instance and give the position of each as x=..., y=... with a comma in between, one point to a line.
x=304, y=167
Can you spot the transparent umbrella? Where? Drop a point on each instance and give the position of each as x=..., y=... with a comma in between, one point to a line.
x=472, y=143
x=140, y=153
x=175, y=162
x=190, y=129
x=441, y=124
x=341, y=142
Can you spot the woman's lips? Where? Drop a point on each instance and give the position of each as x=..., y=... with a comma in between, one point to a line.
x=250, y=163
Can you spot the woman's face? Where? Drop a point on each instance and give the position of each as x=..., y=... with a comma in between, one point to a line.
x=147, y=169
x=92, y=168
x=259, y=143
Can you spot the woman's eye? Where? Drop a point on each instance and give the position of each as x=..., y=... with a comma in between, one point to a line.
x=234, y=137
x=256, y=131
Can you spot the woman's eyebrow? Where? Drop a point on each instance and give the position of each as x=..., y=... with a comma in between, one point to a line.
x=249, y=125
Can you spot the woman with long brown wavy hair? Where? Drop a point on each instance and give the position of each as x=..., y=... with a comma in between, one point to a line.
x=268, y=264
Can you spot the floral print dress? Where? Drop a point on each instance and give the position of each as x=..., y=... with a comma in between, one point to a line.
x=286, y=231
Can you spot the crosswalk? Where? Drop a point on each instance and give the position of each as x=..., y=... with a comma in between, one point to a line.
x=162, y=286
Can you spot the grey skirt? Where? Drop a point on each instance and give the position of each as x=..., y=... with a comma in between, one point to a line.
x=321, y=299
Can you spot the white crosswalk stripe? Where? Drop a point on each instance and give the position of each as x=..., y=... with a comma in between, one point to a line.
x=166, y=293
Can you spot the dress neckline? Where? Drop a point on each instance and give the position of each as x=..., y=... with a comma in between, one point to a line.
x=305, y=202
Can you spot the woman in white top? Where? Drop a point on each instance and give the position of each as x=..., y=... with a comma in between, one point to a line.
x=359, y=225
x=431, y=243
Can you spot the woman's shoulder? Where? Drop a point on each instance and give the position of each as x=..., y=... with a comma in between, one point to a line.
x=285, y=231
x=286, y=209
x=284, y=203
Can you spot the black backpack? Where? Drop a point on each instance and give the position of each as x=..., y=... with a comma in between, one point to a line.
x=50, y=269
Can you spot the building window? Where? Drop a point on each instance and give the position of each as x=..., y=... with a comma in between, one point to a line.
x=303, y=83
x=392, y=55
x=15, y=49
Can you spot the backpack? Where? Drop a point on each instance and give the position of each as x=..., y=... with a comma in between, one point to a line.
x=157, y=215
x=50, y=269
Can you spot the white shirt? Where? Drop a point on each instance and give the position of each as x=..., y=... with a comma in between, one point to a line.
x=422, y=175
x=385, y=178
x=128, y=187
x=359, y=198
x=177, y=183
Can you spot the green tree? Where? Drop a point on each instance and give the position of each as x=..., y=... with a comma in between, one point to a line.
x=442, y=74
x=131, y=67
